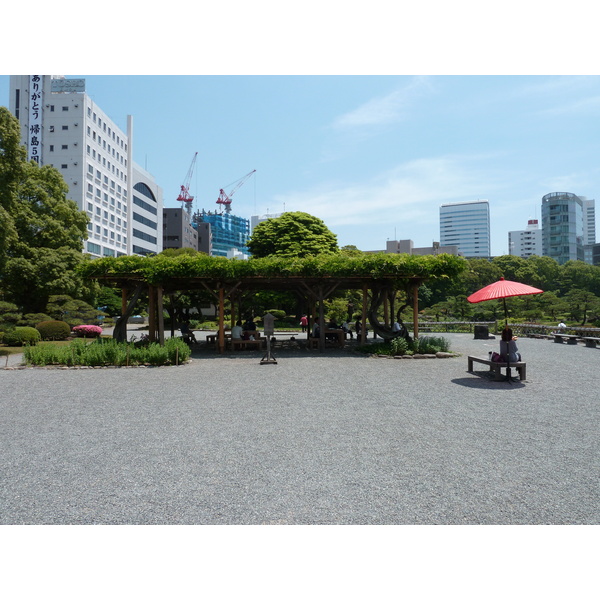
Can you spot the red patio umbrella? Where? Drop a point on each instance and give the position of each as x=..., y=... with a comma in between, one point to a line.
x=503, y=289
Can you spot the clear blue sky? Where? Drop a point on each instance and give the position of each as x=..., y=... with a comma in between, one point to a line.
x=373, y=156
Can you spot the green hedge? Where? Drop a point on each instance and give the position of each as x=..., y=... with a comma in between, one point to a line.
x=54, y=330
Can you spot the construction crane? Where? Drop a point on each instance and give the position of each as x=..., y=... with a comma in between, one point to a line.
x=224, y=198
x=184, y=194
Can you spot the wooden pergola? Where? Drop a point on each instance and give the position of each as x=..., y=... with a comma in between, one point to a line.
x=312, y=289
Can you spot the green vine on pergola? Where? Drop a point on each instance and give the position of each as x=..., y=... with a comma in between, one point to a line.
x=316, y=276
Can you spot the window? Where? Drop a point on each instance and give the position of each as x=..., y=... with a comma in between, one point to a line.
x=63, y=166
x=144, y=221
x=52, y=108
x=93, y=248
x=65, y=108
x=65, y=127
x=51, y=129
x=64, y=147
x=51, y=147
x=144, y=236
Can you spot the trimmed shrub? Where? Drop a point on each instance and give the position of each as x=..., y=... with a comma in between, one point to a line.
x=88, y=331
x=22, y=336
x=54, y=330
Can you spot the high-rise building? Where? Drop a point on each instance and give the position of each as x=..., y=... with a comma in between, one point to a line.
x=562, y=226
x=527, y=242
x=467, y=226
x=589, y=229
x=228, y=232
x=62, y=126
x=178, y=231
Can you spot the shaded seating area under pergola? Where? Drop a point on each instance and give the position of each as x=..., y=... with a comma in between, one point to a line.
x=313, y=280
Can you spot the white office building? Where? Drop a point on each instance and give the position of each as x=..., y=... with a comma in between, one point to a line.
x=63, y=127
x=526, y=242
x=256, y=219
x=467, y=226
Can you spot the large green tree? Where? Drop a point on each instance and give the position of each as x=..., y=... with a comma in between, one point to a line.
x=41, y=230
x=293, y=234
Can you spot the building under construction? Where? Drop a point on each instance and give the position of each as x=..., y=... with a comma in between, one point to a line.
x=228, y=232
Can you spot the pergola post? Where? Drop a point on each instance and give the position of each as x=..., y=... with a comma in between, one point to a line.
x=416, y=311
x=221, y=342
x=321, y=320
x=161, y=316
x=151, y=314
x=363, y=329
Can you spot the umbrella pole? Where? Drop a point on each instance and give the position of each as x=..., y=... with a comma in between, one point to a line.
x=505, y=312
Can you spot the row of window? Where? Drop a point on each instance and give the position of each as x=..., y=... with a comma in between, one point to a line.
x=106, y=129
x=98, y=250
x=105, y=215
x=106, y=147
x=105, y=181
x=144, y=221
x=107, y=234
x=144, y=236
x=106, y=163
x=142, y=204
x=104, y=197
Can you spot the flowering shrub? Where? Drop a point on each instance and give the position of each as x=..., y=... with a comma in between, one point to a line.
x=87, y=330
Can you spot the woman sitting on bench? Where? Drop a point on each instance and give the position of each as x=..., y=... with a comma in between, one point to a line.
x=508, y=347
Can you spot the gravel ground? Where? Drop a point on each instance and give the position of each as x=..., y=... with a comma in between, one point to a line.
x=337, y=438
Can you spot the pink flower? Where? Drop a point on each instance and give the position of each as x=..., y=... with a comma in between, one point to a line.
x=87, y=330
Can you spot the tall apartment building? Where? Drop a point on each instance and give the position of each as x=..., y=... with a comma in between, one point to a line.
x=63, y=127
x=562, y=226
x=526, y=242
x=467, y=226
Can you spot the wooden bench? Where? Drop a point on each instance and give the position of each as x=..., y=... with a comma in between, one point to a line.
x=559, y=338
x=590, y=342
x=339, y=334
x=246, y=344
x=497, y=367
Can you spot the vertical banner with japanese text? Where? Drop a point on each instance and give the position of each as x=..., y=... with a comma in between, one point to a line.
x=34, y=136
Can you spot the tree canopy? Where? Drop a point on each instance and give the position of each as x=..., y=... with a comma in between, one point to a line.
x=293, y=234
x=41, y=230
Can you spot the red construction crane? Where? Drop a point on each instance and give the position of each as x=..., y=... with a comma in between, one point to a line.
x=184, y=194
x=225, y=198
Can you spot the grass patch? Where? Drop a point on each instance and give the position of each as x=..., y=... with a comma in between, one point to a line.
x=104, y=352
